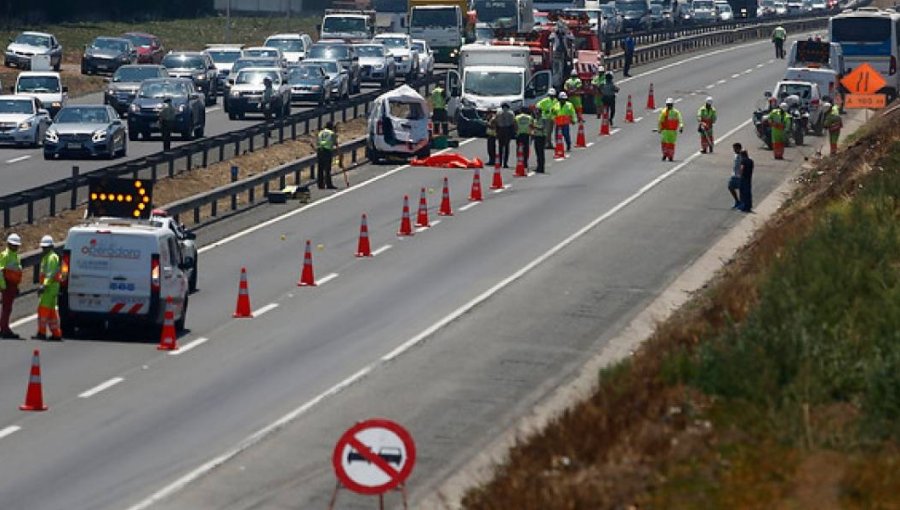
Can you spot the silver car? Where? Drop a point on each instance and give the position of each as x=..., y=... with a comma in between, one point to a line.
x=86, y=130
x=126, y=81
x=426, y=57
x=22, y=120
x=338, y=78
x=28, y=44
x=376, y=64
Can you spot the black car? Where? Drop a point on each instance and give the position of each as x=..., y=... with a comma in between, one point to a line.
x=190, y=113
x=124, y=84
x=242, y=63
x=309, y=82
x=106, y=54
x=196, y=66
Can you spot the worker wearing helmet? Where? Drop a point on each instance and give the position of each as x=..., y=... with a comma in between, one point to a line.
x=10, y=277
x=778, y=122
x=597, y=83
x=48, y=290
x=669, y=125
x=565, y=116
x=706, y=117
x=267, y=98
x=547, y=106
x=572, y=87
x=833, y=124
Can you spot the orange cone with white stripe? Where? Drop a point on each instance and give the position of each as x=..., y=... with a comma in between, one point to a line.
x=604, y=123
x=34, y=395
x=405, y=224
x=168, y=339
x=445, y=209
x=242, y=309
x=475, y=194
x=307, y=279
x=651, y=102
x=422, y=214
x=497, y=181
x=629, y=111
x=520, y=162
x=580, y=142
x=560, y=150
x=363, y=248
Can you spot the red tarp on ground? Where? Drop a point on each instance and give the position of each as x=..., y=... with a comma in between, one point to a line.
x=448, y=160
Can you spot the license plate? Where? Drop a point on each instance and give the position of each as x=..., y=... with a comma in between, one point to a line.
x=102, y=66
x=154, y=125
x=85, y=302
x=73, y=145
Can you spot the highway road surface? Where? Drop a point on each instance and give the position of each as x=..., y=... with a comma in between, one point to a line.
x=452, y=332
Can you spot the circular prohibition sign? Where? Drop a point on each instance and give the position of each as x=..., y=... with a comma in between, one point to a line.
x=374, y=456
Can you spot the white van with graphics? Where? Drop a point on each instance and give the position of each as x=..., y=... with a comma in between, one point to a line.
x=121, y=270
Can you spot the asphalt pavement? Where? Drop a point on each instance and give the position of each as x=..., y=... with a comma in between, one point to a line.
x=452, y=332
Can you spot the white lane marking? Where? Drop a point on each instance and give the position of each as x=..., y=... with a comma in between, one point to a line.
x=710, y=86
x=678, y=100
x=381, y=250
x=691, y=59
x=16, y=160
x=748, y=71
x=638, y=119
x=721, y=81
x=469, y=206
x=23, y=321
x=435, y=223
x=771, y=60
x=327, y=278
x=268, y=308
x=100, y=387
x=266, y=431
x=736, y=75
x=589, y=144
x=188, y=346
x=212, y=109
x=12, y=429
x=758, y=66
x=614, y=131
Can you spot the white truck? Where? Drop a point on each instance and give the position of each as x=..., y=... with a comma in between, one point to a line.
x=441, y=25
x=350, y=25
x=506, y=15
x=488, y=77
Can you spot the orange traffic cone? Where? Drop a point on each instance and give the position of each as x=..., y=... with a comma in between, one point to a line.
x=497, y=181
x=242, y=309
x=422, y=214
x=520, y=162
x=168, y=339
x=446, y=209
x=604, y=123
x=475, y=194
x=363, y=249
x=405, y=225
x=307, y=279
x=651, y=102
x=579, y=140
x=560, y=150
x=629, y=111
x=34, y=396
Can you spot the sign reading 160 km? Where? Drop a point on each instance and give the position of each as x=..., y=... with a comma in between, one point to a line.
x=374, y=456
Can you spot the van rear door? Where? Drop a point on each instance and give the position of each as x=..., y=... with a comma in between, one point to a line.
x=110, y=272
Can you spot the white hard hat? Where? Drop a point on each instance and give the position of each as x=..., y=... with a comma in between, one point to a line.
x=563, y=95
x=574, y=72
x=669, y=100
x=783, y=106
x=14, y=240
x=601, y=69
x=46, y=242
x=708, y=99
x=552, y=91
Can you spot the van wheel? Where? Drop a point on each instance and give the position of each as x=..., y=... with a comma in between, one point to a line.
x=179, y=324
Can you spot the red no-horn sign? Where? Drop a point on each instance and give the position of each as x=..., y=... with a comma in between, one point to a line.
x=374, y=456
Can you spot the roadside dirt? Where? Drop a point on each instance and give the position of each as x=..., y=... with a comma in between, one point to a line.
x=79, y=84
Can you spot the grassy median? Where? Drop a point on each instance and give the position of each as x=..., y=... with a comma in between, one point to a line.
x=778, y=386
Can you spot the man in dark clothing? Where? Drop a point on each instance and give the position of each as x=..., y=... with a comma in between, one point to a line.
x=540, y=136
x=608, y=93
x=166, y=123
x=746, y=182
x=734, y=180
x=506, y=131
x=628, y=47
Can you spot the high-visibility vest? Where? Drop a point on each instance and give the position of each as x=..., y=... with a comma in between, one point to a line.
x=706, y=115
x=50, y=268
x=523, y=124
x=326, y=139
x=11, y=268
x=572, y=85
x=779, y=33
x=598, y=81
x=547, y=107
x=438, y=102
x=776, y=117
x=670, y=120
x=565, y=114
x=491, y=129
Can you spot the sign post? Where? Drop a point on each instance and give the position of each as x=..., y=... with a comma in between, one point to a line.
x=863, y=83
x=373, y=457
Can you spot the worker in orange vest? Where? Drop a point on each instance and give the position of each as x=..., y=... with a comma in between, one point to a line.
x=48, y=291
x=669, y=125
x=10, y=277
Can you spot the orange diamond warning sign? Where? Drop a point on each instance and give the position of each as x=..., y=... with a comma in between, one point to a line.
x=863, y=80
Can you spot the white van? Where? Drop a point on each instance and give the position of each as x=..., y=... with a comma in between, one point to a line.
x=47, y=87
x=122, y=271
x=817, y=55
x=398, y=125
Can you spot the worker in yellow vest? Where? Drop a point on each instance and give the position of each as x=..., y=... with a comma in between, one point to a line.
x=10, y=277
x=547, y=107
x=48, y=291
x=439, y=111
x=523, y=134
x=326, y=144
x=572, y=87
x=565, y=116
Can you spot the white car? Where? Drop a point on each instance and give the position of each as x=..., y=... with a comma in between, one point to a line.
x=46, y=87
x=292, y=46
x=426, y=57
x=398, y=125
x=22, y=120
x=28, y=44
x=406, y=57
x=781, y=8
x=724, y=11
x=264, y=52
x=223, y=56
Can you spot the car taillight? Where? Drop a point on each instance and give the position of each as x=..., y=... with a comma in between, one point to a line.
x=893, y=68
x=64, y=268
x=814, y=102
x=378, y=129
x=430, y=127
x=154, y=274
x=830, y=88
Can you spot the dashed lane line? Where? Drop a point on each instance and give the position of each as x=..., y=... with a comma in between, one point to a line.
x=12, y=429
x=188, y=346
x=100, y=387
x=381, y=250
x=268, y=308
x=16, y=160
x=327, y=278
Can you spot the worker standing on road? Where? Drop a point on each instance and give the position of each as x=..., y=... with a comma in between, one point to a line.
x=628, y=47
x=669, y=125
x=597, y=83
x=540, y=139
x=565, y=117
x=10, y=277
x=490, y=131
x=833, y=123
x=572, y=87
x=608, y=96
x=48, y=290
x=267, y=96
x=779, y=35
x=439, y=111
x=523, y=134
x=547, y=106
x=166, y=122
x=706, y=117
x=777, y=124
x=734, y=181
x=506, y=131
x=327, y=143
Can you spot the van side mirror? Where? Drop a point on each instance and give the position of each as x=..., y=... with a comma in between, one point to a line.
x=190, y=235
x=66, y=90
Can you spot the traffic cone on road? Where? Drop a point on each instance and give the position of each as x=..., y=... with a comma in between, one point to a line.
x=405, y=224
x=629, y=111
x=475, y=194
x=604, y=123
x=580, y=142
x=307, y=278
x=497, y=181
x=422, y=214
x=651, y=102
x=520, y=162
x=168, y=340
x=34, y=395
x=363, y=249
x=560, y=150
x=242, y=309
x=445, y=209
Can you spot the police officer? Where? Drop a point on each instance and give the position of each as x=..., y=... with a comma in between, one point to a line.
x=490, y=131
x=523, y=134
x=547, y=106
x=539, y=133
x=779, y=35
x=439, y=111
x=48, y=290
x=167, y=122
x=10, y=277
x=327, y=143
x=267, y=96
x=506, y=131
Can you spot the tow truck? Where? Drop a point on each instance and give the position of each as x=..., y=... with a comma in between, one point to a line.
x=586, y=56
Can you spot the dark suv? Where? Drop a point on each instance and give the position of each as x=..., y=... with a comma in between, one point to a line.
x=106, y=54
x=190, y=113
x=344, y=53
x=124, y=84
x=197, y=66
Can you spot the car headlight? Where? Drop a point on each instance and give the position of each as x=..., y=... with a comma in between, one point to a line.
x=201, y=77
x=182, y=108
x=110, y=92
x=52, y=136
x=235, y=93
x=56, y=104
x=24, y=126
x=134, y=108
x=98, y=135
x=379, y=66
x=404, y=57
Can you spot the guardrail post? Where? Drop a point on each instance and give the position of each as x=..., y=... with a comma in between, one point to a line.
x=29, y=211
x=355, y=110
x=250, y=139
x=237, y=146
x=213, y=208
x=73, y=202
x=6, y=219
x=222, y=150
x=343, y=114
x=250, y=194
x=266, y=134
x=281, y=131
x=205, y=155
x=53, y=203
x=171, y=165
x=281, y=181
x=331, y=116
x=312, y=170
x=293, y=128
x=297, y=175
x=306, y=125
x=196, y=214
x=265, y=188
x=234, y=178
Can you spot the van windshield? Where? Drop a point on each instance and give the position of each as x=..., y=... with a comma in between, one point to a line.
x=333, y=24
x=428, y=18
x=38, y=84
x=292, y=45
x=492, y=83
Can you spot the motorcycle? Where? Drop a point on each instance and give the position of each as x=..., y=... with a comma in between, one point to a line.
x=799, y=120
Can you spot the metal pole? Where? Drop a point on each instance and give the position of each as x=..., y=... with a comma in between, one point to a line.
x=227, y=20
